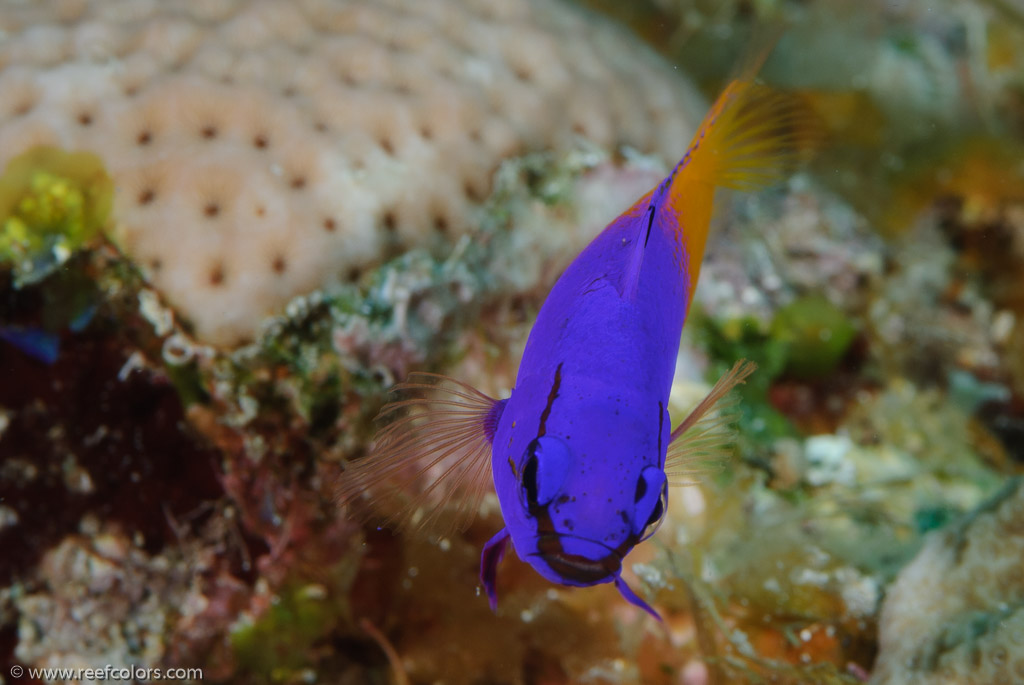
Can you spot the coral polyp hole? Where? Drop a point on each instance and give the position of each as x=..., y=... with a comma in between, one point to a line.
x=260, y=141
x=217, y=275
x=473, y=190
x=320, y=127
x=146, y=196
x=208, y=132
x=144, y=138
x=298, y=182
x=155, y=264
x=387, y=145
x=261, y=211
x=23, y=108
x=390, y=222
x=426, y=132
x=211, y=209
x=330, y=224
x=279, y=265
x=441, y=223
x=354, y=274
x=84, y=118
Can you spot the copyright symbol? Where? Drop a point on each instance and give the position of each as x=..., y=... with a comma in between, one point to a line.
x=17, y=671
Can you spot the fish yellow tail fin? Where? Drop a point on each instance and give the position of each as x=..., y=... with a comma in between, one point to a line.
x=752, y=137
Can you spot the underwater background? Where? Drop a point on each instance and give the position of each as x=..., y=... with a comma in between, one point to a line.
x=228, y=227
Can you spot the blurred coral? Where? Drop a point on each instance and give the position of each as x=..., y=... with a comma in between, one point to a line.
x=954, y=613
x=263, y=150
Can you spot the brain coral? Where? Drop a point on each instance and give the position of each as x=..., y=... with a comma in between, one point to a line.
x=955, y=615
x=265, y=149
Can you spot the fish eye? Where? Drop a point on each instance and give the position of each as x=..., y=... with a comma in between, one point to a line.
x=543, y=472
x=650, y=500
x=657, y=515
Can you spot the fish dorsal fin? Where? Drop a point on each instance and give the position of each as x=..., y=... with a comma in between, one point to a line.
x=428, y=467
x=701, y=442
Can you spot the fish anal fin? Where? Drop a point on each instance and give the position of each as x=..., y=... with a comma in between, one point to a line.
x=702, y=442
x=429, y=465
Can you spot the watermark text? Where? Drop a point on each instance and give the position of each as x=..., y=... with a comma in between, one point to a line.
x=108, y=672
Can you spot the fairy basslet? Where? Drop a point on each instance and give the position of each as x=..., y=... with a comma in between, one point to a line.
x=582, y=452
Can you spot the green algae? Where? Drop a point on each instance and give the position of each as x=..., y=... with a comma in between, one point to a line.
x=277, y=642
x=806, y=338
x=277, y=646
x=760, y=424
x=52, y=203
x=817, y=334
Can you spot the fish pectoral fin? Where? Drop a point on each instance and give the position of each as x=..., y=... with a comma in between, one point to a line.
x=493, y=553
x=703, y=440
x=428, y=467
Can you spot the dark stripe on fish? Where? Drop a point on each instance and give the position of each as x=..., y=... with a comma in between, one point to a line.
x=650, y=222
x=574, y=566
x=551, y=400
x=549, y=543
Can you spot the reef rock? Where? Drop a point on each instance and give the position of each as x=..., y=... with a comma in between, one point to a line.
x=956, y=613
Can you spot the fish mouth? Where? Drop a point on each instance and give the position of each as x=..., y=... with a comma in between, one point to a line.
x=597, y=562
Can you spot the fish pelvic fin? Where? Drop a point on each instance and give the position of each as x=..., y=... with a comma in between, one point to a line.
x=429, y=466
x=493, y=553
x=702, y=442
x=752, y=137
x=633, y=598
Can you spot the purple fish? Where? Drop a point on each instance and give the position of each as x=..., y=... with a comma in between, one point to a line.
x=582, y=453
x=35, y=342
